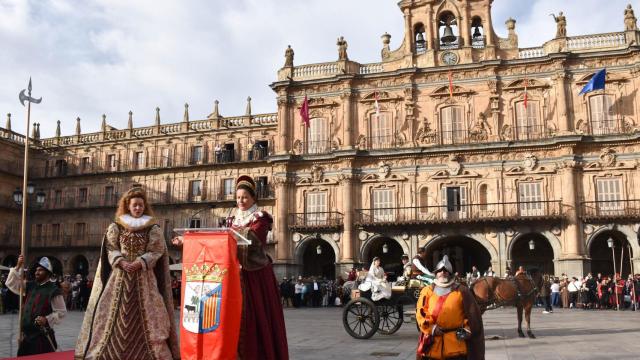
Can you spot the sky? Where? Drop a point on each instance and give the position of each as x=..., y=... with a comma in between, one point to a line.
x=94, y=57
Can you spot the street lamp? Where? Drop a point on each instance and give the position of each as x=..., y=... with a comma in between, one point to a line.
x=30, y=188
x=17, y=196
x=318, y=250
x=385, y=248
x=40, y=195
x=532, y=245
x=615, y=281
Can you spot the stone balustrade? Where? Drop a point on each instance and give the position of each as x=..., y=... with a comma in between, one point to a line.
x=371, y=68
x=533, y=52
x=11, y=136
x=596, y=41
x=314, y=71
x=141, y=132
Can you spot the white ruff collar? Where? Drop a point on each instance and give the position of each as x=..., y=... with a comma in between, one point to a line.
x=135, y=223
x=443, y=285
x=244, y=217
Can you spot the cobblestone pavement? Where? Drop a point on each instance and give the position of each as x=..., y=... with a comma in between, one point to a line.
x=319, y=334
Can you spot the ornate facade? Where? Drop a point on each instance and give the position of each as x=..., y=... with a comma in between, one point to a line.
x=458, y=140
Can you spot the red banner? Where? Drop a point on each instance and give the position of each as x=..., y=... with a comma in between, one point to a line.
x=211, y=297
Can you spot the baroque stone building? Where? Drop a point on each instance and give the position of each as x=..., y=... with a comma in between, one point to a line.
x=458, y=140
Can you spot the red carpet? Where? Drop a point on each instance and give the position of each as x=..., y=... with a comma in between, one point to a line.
x=65, y=355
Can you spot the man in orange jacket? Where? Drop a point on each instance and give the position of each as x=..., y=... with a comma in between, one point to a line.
x=449, y=319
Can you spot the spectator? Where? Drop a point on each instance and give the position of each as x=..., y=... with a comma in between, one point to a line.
x=284, y=290
x=555, y=292
x=299, y=287
x=573, y=292
x=65, y=285
x=564, y=292
x=489, y=272
x=316, y=293
x=545, y=294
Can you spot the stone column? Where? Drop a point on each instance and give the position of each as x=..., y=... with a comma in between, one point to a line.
x=573, y=251
x=430, y=36
x=281, y=232
x=348, y=232
x=282, y=144
x=488, y=27
x=347, y=119
x=564, y=120
x=408, y=32
x=465, y=25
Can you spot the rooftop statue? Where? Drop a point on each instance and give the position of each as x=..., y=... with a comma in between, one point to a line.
x=561, y=22
x=288, y=57
x=630, y=20
x=342, y=48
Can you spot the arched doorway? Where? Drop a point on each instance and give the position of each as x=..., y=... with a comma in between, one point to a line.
x=318, y=259
x=389, y=252
x=57, y=265
x=532, y=251
x=10, y=261
x=464, y=252
x=602, y=255
x=79, y=265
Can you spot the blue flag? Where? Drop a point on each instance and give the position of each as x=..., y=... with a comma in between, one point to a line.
x=596, y=82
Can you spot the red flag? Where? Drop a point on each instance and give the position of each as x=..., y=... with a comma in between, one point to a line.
x=450, y=84
x=304, y=111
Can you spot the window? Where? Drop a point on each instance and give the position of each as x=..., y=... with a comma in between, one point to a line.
x=227, y=189
x=109, y=195
x=527, y=123
x=318, y=135
x=195, y=190
x=453, y=130
x=55, y=232
x=194, y=223
x=82, y=195
x=316, y=208
x=454, y=200
x=38, y=233
x=61, y=168
x=482, y=197
x=383, y=205
x=138, y=160
x=603, y=119
x=227, y=154
x=530, y=199
x=259, y=150
x=85, y=164
x=262, y=187
x=196, y=155
x=165, y=157
x=609, y=196
x=381, y=131
x=424, y=200
x=58, y=198
x=111, y=162
x=79, y=231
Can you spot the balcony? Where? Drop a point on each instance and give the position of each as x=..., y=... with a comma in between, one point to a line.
x=468, y=213
x=315, y=147
x=315, y=221
x=603, y=211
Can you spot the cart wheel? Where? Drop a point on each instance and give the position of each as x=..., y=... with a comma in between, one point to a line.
x=360, y=318
x=391, y=318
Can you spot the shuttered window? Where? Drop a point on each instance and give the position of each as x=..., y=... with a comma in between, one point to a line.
x=454, y=202
x=318, y=136
x=530, y=199
x=227, y=189
x=453, y=129
x=383, y=203
x=316, y=208
x=603, y=119
x=609, y=193
x=528, y=121
x=195, y=190
x=381, y=131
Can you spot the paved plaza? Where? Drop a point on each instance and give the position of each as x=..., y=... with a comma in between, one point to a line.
x=318, y=334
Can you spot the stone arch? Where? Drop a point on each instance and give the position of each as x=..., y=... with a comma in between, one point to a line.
x=78, y=264
x=392, y=259
x=366, y=247
x=627, y=230
x=479, y=251
x=549, y=236
x=601, y=256
x=325, y=265
x=543, y=257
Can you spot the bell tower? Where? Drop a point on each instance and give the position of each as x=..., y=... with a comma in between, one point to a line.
x=448, y=32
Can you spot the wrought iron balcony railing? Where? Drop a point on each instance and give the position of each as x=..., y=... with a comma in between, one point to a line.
x=315, y=220
x=610, y=210
x=531, y=210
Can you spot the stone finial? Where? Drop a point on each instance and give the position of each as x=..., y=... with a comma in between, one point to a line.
x=33, y=131
x=185, y=117
x=157, y=116
x=248, y=110
x=630, y=20
x=386, y=39
x=216, y=111
x=8, y=123
x=58, y=129
x=103, y=126
x=342, y=49
x=38, y=131
x=78, y=126
x=130, y=122
x=511, y=24
x=288, y=57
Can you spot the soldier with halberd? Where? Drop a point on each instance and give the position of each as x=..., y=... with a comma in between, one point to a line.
x=449, y=319
x=43, y=307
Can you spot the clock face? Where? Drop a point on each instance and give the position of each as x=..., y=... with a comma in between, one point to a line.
x=450, y=58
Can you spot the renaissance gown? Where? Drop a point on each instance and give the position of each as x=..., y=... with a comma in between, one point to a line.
x=262, y=334
x=130, y=315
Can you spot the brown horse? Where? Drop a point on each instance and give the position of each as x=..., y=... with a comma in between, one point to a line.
x=520, y=291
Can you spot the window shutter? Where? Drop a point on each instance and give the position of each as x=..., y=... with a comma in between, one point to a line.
x=204, y=189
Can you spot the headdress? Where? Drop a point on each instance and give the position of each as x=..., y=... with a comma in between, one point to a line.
x=444, y=264
x=45, y=263
x=247, y=181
